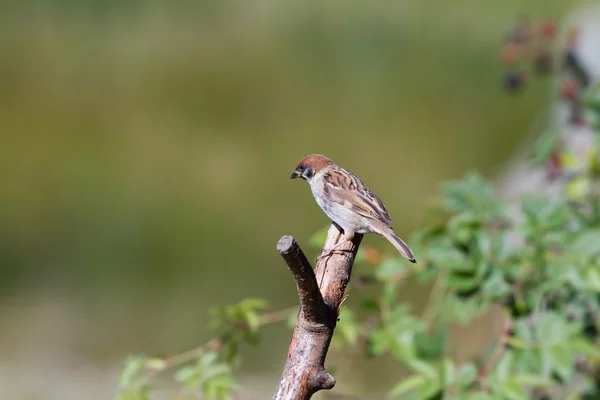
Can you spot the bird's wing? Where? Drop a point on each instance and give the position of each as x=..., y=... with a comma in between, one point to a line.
x=345, y=188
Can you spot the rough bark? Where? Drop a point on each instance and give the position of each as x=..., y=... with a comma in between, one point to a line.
x=321, y=293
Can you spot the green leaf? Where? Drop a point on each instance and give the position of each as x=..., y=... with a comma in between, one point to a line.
x=531, y=380
x=551, y=328
x=495, y=287
x=253, y=304
x=546, y=362
x=457, y=262
x=562, y=361
x=425, y=369
x=432, y=391
x=547, y=212
x=482, y=269
x=253, y=321
x=463, y=235
x=587, y=243
x=430, y=346
x=403, y=347
x=484, y=243
x=217, y=370
x=447, y=372
x=463, y=282
x=466, y=375
x=208, y=359
x=472, y=193
x=523, y=330
x=593, y=278
x=544, y=146
x=584, y=347
x=512, y=391
x=461, y=225
x=219, y=387
x=187, y=373
x=134, y=365
x=502, y=370
x=409, y=384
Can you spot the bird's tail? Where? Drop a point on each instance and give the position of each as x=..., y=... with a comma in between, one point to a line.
x=399, y=244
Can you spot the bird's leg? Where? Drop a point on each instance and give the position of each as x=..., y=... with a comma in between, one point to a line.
x=347, y=236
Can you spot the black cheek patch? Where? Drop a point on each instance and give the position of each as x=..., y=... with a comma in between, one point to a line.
x=309, y=173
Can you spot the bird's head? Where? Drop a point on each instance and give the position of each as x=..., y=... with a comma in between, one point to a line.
x=311, y=165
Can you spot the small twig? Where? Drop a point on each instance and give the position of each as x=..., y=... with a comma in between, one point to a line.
x=192, y=354
x=155, y=368
x=274, y=317
x=176, y=360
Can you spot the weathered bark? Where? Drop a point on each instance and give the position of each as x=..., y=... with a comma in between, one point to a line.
x=321, y=293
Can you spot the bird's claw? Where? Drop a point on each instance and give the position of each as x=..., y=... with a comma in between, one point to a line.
x=331, y=252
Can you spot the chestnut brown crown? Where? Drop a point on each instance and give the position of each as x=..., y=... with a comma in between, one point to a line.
x=308, y=166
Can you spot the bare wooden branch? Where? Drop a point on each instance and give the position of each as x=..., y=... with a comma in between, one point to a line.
x=311, y=301
x=321, y=294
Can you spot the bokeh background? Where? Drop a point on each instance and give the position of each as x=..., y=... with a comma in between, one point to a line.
x=145, y=149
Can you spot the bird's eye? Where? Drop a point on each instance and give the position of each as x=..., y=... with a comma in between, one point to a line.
x=301, y=167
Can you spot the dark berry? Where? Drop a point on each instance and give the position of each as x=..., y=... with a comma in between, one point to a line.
x=571, y=59
x=513, y=81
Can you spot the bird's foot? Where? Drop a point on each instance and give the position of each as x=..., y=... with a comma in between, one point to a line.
x=333, y=250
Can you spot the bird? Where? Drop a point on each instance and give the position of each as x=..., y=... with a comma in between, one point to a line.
x=347, y=201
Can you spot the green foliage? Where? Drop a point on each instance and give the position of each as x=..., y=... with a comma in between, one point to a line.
x=207, y=371
x=547, y=285
x=239, y=322
x=132, y=380
x=211, y=377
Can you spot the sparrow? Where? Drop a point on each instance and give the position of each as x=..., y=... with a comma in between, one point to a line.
x=347, y=201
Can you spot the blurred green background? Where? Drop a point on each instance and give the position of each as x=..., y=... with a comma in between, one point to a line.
x=145, y=150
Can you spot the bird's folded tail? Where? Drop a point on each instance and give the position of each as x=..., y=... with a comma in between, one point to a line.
x=399, y=245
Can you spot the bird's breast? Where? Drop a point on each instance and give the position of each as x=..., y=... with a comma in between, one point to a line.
x=341, y=215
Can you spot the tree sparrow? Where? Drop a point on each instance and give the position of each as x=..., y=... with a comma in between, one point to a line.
x=347, y=201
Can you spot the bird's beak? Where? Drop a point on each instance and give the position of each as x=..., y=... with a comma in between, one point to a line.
x=295, y=174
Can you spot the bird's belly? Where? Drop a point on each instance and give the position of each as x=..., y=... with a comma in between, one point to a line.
x=344, y=217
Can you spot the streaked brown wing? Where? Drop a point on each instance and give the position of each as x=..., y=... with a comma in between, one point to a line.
x=345, y=188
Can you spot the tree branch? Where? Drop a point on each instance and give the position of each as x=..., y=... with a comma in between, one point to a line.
x=311, y=301
x=321, y=293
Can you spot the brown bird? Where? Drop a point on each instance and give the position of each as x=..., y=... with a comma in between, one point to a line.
x=347, y=201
